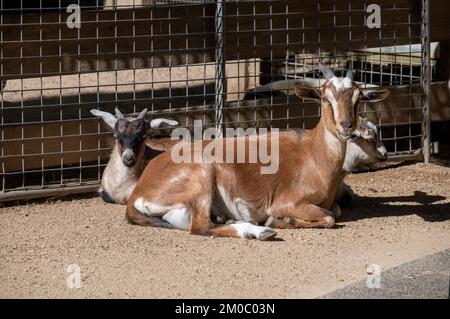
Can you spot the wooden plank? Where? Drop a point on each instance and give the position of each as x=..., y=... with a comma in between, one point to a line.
x=440, y=23
x=307, y=26
x=404, y=105
x=44, y=147
x=242, y=76
x=107, y=40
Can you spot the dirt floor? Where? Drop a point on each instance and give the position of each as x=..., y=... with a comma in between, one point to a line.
x=401, y=214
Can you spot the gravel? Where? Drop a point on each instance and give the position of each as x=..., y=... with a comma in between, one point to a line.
x=400, y=214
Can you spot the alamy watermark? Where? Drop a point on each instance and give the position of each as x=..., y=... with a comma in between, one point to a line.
x=73, y=280
x=374, y=19
x=237, y=146
x=74, y=19
x=374, y=279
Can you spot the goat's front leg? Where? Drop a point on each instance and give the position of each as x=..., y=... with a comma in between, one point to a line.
x=304, y=216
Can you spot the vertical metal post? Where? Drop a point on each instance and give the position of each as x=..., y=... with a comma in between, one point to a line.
x=426, y=81
x=220, y=67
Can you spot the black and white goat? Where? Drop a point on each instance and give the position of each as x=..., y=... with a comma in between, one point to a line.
x=127, y=160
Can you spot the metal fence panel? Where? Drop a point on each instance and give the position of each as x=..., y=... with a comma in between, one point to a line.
x=218, y=61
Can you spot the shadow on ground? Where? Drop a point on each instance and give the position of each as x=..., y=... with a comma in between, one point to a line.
x=420, y=204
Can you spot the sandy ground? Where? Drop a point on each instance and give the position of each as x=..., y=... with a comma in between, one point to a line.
x=401, y=214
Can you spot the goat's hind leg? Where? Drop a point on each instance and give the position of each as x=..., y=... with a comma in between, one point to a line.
x=307, y=216
x=201, y=224
x=136, y=217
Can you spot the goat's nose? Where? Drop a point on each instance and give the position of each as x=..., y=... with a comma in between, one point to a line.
x=346, y=124
x=128, y=156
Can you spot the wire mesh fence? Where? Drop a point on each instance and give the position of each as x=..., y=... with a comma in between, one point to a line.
x=227, y=63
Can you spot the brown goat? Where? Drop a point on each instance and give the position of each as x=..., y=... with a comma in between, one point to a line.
x=300, y=193
x=363, y=149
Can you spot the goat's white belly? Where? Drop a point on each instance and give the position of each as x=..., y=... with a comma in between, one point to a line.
x=237, y=209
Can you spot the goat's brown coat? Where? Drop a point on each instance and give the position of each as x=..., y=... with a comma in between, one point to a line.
x=300, y=194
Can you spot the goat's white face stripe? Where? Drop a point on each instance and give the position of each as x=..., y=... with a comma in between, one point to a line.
x=355, y=96
x=331, y=98
x=341, y=83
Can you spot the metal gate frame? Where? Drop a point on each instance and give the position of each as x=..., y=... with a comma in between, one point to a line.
x=426, y=81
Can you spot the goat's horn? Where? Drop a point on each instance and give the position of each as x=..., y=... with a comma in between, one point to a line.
x=141, y=115
x=157, y=122
x=327, y=73
x=119, y=115
x=350, y=74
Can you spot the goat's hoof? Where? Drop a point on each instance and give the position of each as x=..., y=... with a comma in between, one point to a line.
x=271, y=221
x=248, y=236
x=267, y=234
x=329, y=222
x=288, y=220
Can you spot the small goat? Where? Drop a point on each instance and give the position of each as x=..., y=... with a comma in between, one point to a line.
x=364, y=148
x=300, y=194
x=127, y=160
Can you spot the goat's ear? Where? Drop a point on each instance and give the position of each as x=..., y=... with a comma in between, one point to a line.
x=373, y=96
x=157, y=122
x=160, y=144
x=362, y=120
x=107, y=117
x=307, y=93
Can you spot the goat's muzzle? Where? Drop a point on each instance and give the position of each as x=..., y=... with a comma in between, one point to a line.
x=106, y=197
x=128, y=158
x=382, y=153
x=344, y=130
x=344, y=135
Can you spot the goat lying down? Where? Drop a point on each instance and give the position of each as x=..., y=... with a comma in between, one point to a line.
x=363, y=149
x=127, y=160
x=300, y=194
